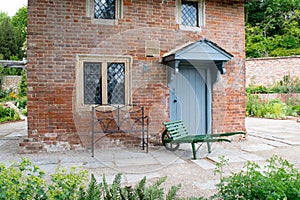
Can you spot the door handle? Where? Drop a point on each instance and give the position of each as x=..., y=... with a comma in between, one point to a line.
x=175, y=101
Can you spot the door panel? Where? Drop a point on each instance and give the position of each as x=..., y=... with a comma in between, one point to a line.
x=188, y=99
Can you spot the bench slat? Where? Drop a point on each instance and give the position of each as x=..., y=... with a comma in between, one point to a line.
x=175, y=125
x=176, y=128
x=173, y=122
x=180, y=130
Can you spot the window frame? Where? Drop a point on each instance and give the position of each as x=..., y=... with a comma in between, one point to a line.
x=104, y=60
x=201, y=15
x=90, y=6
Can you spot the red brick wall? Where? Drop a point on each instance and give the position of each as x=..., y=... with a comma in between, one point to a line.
x=267, y=71
x=60, y=29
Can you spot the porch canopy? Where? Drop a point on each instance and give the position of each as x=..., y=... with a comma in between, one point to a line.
x=198, y=52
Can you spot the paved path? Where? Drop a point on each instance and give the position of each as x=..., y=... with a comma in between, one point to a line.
x=265, y=138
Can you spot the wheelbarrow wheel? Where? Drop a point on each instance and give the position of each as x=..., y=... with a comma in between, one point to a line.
x=171, y=146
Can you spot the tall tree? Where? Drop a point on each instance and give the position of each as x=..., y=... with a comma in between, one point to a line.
x=8, y=40
x=272, y=28
x=19, y=21
x=13, y=35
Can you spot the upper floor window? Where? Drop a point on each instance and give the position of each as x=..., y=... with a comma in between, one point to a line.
x=104, y=9
x=191, y=14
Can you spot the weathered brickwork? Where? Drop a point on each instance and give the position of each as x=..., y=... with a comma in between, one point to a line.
x=267, y=71
x=59, y=30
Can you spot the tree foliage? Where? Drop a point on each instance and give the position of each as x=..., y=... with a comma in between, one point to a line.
x=13, y=33
x=8, y=39
x=272, y=28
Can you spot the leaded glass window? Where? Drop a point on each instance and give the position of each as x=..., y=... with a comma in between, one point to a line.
x=116, y=83
x=189, y=13
x=92, y=83
x=104, y=9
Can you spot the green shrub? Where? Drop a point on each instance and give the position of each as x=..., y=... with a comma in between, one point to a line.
x=8, y=71
x=26, y=181
x=296, y=109
x=260, y=89
x=286, y=85
x=66, y=184
x=23, y=85
x=25, y=112
x=22, y=181
x=294, y=106
x=277, y=180
x=22, y=103
x=8, y=95
x=3, y=94
x=275, y=109
x=254, y=107
x=8, y=114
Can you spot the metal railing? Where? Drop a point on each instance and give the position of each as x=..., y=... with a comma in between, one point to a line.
x=126, y=119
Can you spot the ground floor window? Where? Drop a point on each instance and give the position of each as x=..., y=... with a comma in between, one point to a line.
x=103, y=80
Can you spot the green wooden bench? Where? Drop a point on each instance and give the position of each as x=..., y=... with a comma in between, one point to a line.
x=176, y=133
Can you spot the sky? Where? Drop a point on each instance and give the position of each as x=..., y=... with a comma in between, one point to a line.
x=11, y=6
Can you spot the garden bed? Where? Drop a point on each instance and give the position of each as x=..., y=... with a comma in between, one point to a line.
x=282, y=97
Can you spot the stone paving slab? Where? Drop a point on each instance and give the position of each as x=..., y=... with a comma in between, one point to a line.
x=257, y=147
x=101, y=164
x=204, y=164
x=135, y=161
x=165, y=157
x=251, y=157
x=13, y=129
x=293, y=143
x=276, y=143
x=230, y=158
x=209, y=185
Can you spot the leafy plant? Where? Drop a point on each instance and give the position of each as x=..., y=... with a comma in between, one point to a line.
x=66, y=184
x=3, y=94
x=116, y=191
x=277, y=180
x=25, y=112
x=275, y=109
x=254, y=107
x=286, y=85
x=260, y=89
x=27, y=181
x=8, y=114
x=8, y=95
x=22, y=181
x=22, y=103
x=7, y=71
x=23, y=85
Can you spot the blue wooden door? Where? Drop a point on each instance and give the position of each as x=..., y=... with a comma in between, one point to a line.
x=188, y=99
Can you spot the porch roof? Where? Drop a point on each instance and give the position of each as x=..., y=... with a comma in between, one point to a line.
x=200, y=51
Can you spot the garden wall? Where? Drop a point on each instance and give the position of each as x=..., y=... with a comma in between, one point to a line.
x=266, y=71
x=11, y=82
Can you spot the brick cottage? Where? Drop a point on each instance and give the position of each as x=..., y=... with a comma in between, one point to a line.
x=178, y=59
